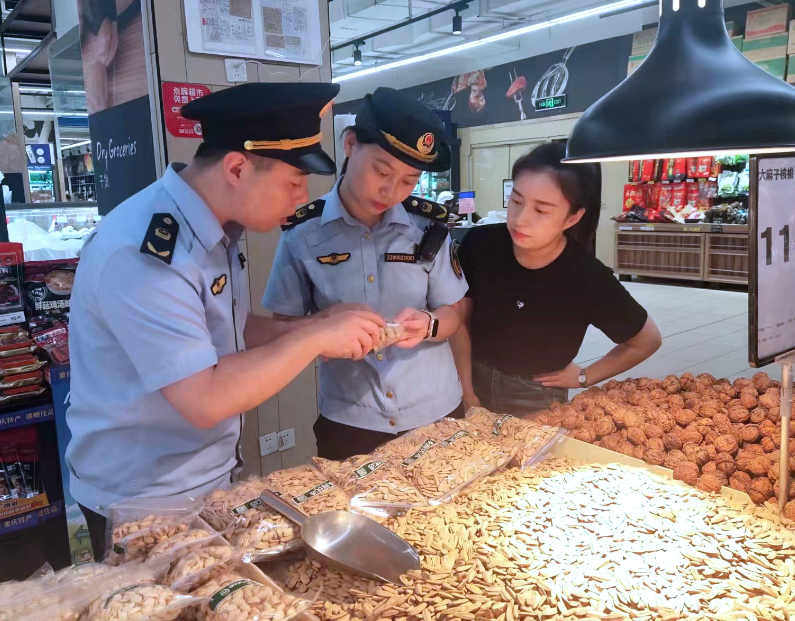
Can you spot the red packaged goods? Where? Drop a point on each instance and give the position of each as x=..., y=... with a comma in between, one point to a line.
x=666, y=199
x=20, y=364
x=658, y=168
x=647, y=170
x=692, y=167
x=679, y=196
x=716, y=168
x=680, y=169
x=17, y=347
x=21, y=379
x=653, y=196
x=11, y=260
x=634, y=196
x=21, y=394
x=59, y=353
x=632, y=168
x=668, y=170
x=48, y=285
x=707, y=190
x=704, y=167
x=692, y=194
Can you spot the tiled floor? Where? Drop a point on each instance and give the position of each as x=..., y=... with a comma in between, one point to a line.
x=704, y=331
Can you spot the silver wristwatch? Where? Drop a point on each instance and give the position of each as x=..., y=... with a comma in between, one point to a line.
x=582, y=379
x=433, y=326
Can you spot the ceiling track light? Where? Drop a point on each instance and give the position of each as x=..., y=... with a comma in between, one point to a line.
x=357, y=53
x=458, y=23
x=722, y=102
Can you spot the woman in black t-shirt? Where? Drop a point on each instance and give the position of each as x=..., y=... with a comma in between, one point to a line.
x=535, y=287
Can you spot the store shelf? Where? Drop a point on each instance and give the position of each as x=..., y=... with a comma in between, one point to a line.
x=28, y=416
x=24, y=521
x=700, y=252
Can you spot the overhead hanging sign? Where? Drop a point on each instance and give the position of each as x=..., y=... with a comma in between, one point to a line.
x=279, y=31
x=772, y=269
x=176, y=95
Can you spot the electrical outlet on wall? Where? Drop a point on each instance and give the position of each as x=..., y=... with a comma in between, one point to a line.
x=286, y=439
x=268, y=444
x=235, y=70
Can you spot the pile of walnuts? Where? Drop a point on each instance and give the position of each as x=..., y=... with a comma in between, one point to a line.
x=710, y=432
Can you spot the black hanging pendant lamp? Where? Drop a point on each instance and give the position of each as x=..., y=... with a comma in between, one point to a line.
x=695, y=94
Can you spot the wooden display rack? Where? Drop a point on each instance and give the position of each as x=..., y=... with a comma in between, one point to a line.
x=701, y=252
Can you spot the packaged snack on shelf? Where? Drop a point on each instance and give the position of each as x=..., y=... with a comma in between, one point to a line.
x=666, y=196
x=679, y=169
x=25, y=363
x=235, y=597
x=679, y=196
x=137, y=525
x=744, y=182
x=48, y=285
x=692, y=167
x=17, y=347
x=237, y=504
x=704, y=167
x=441, y=465
x=310, y=490
x=727, y=184
x=21, y=394
x=11, y=260
x=692, y=192
x=20, y=380
x=200, y=566
x=373, y=485
x=531, y=441
x=177, y=546
x=269, y=535
x=141, y=602
x=634, y=196
x=634, y=171
x=646, y=171
x=12, y=333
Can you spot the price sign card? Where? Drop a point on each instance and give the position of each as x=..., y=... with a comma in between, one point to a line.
x=772, y=286
x=466, y=203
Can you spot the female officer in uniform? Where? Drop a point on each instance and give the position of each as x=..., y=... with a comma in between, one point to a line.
x=368, y=243
x=535, y=287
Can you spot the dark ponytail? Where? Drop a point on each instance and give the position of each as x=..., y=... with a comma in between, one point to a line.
x=581, y=184
x=362, y=137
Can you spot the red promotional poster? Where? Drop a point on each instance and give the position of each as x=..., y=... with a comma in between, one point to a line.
x=176, y=95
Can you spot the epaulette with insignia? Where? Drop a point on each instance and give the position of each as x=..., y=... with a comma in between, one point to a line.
x=161, y=237
x=307, y=212
x=426, y=208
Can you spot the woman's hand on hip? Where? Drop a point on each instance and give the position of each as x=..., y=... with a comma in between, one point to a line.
x=416, y=324
x=565, y=378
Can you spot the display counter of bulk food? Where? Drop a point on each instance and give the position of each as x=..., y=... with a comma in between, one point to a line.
x=702, y=252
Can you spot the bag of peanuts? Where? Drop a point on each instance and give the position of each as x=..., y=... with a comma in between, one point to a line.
x=373, y=485
x=442, y=459
x=309, y=490
x=390, y=334
x=248, y=523
x=531, y=441
x=137, y=525
x=172, y=549
x=234, y=597
x=200, y=566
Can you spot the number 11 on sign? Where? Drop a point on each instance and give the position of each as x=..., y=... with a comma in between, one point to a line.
x=767, y=235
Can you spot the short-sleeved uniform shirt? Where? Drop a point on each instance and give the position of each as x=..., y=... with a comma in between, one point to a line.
x=395, y=389
x=526, y=322
x=137, y=326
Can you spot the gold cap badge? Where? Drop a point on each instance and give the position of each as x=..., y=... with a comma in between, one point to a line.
x=425, y=143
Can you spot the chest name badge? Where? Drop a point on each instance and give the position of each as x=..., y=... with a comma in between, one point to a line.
x=218, y=285
x=334, y=258
x=399, y=257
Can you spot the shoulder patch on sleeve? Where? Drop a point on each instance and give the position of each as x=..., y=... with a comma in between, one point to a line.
x=423, y=207
x=161, y=237
x=302, y=214
x=454, y=260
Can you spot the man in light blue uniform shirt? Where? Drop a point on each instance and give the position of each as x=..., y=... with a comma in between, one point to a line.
x=368, y=243
x=158, y=384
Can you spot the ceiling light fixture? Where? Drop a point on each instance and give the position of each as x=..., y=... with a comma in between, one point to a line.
x=615, y=6
x=76, y=144
x=695, y=94
x=357, y=55
x=458, y=23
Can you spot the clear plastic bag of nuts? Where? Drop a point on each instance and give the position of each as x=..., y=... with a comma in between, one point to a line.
x=200, y=566
x=172, y=549
x=308, y=489
x=442, y=459
x=135, y=526
x=390, y=334
x=247, y=522
x=531, y=441
x=374, y=486
x=235, y=597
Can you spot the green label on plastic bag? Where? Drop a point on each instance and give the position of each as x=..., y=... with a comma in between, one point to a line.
x=367, y=469
x=457, y=435
x=499, y=423
x=118, y=549
x=315, y=491
x=254, y=503
x=426, y=446
x=222, y=594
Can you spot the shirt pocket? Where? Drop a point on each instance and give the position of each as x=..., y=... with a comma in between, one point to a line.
x=335, y=267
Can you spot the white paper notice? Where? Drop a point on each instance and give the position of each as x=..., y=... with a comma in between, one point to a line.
x=775, y=261
x=286, y=28
x=227, y=26
x=466, y=205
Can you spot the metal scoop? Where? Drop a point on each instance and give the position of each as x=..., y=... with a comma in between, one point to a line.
x=351, y=542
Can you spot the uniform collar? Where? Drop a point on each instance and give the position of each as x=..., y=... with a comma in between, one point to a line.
x=334, y=210
x=197, y=213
